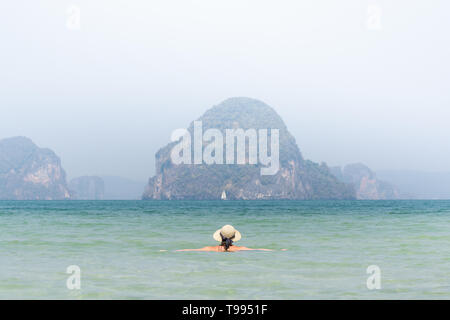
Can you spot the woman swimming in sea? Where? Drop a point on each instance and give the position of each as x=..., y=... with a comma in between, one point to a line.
x=227, y=235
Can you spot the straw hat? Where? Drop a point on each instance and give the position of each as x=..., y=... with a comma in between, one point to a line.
x=228, y=232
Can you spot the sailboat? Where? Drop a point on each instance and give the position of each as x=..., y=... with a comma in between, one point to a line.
x=224, y=195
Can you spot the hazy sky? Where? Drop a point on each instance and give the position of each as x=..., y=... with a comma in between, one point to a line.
x=106, y=97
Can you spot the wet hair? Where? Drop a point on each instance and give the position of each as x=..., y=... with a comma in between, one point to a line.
x=226, y=242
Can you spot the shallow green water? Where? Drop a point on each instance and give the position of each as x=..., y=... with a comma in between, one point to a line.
x=330, y=245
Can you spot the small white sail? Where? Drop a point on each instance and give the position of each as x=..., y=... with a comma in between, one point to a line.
x=224, y=195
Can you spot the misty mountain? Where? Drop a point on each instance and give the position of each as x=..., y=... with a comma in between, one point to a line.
x=296, y=178
x=366, y=183
x=119, y=188
x=28, y=172
x=418, y=184
x=87, y=188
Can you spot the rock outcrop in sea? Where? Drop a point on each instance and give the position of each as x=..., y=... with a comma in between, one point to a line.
x=28, y=172
x=87, y=188
x=365, y=182
x=296, y=178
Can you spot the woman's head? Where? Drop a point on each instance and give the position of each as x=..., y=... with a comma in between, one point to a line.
x=226, y=242
x=226, y=236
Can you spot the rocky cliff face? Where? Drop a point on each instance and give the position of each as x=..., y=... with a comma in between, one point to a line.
x=295, y=179
x=87, y=188
x=28, y=172
x=365, y=182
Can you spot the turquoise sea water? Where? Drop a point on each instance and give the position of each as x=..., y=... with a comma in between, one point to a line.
x=330, y=245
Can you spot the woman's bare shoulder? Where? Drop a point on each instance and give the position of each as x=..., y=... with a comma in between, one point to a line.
x=201, y=249
x=210, y=248
x=236, y=248
x=250, y=249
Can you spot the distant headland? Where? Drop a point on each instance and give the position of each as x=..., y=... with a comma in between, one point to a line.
x=28, y=172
